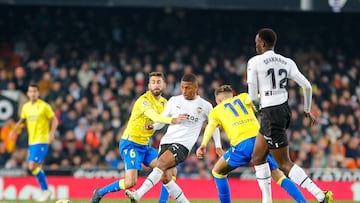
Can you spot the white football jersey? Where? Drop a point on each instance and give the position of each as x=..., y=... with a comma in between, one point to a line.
x=187, y=132
x=270, y=72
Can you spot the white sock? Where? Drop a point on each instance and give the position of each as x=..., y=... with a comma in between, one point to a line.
x=299, y=176
x=263, y=176
x=176, y=192
x=153, y=178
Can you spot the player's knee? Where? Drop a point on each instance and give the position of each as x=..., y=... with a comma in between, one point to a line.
x=32, y=167
x=130, y=183
x=258, y=159
x=218, y=174
x=162, y=165
x=35, y=170
x=285, y=166
x=166, y=179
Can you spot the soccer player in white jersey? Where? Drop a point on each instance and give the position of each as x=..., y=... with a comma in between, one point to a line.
x=179, y=139
x=267, y=75
x=134, y=144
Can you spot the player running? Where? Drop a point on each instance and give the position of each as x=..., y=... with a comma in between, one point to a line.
x=236, y=116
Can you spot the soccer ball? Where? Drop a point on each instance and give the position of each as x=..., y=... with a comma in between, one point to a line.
x=63, y=201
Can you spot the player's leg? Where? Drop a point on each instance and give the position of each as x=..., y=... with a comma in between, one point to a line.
x=279, y=148
x=170, y=185
x=297, y=174
x=170, y=156
x=151, y=161
x=289, y=186
x=178, y=153
x=220, y=173
x=262, y=169
x=132, y=157
x=164, y=194
x=37, y=155
x=236, y=156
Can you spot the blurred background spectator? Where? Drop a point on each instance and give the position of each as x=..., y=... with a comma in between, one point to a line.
x=92, y=63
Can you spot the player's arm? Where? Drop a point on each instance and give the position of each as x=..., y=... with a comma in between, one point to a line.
x=217, y=140
x=253, y=85
x=163, y=118
x=53, y=121
x=301, y=80
x=208, y=133
x=157, y=118
x=54, y=124
x=17, y=126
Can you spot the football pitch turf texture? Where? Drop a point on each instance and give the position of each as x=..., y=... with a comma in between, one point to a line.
x=171, y=201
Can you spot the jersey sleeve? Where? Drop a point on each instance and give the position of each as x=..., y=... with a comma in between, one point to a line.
x=165, y=113
x=252, y=81
x=149, y=112
x=48, y=111
x=301, y=80
x=251, y=72
x=216, y=138
x=23, y=114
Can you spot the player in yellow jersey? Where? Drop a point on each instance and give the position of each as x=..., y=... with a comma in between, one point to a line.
x=236, y=116
x=38, y=114
x=134, y=145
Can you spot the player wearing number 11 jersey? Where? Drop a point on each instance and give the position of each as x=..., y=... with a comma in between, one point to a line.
x=236, y=116
x=267, y=74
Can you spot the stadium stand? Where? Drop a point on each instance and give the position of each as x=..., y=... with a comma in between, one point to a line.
x=91, y=64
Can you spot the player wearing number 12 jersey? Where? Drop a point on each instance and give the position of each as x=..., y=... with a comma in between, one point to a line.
x=267, y=74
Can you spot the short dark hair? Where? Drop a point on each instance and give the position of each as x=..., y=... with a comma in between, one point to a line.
x=190, y=77
x=223, y=88
x=268, y=36
x=34, y=85
x=157, y=74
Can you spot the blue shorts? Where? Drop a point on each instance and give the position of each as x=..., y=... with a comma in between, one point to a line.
x=134, y=154
x=37, y=153
x=240, y=155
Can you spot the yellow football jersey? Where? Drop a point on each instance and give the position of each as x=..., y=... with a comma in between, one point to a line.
x=135, y=131
x=236, y=116
x=37, y=118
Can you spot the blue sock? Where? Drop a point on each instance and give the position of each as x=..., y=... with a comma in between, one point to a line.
x=112, y=187
x=293, y=190
x=164, y=194
x=41, y=178
x=223, y=188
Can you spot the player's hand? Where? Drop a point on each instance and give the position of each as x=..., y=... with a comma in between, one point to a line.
x=148, y=127
x=311, y=117
x=51, y=137
x=219, y=151
x=179, y=119
x=200, y=152
x=12, y=135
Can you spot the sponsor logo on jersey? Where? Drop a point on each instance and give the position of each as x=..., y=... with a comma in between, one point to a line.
x=199, y=110
x=146, y=103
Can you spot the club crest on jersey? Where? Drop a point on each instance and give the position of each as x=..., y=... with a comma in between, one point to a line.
x=146, y=103
x=199, y=110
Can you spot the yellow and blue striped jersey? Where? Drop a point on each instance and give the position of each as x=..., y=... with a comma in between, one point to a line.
x=236, y=116
x=37, y=118
x=147, y=110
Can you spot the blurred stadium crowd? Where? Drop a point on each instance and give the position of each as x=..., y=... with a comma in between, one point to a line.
x=92, y=63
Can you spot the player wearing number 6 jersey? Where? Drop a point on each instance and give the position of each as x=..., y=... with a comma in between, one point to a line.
x=134, y=145
x=236, y=116
x=267, y=74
